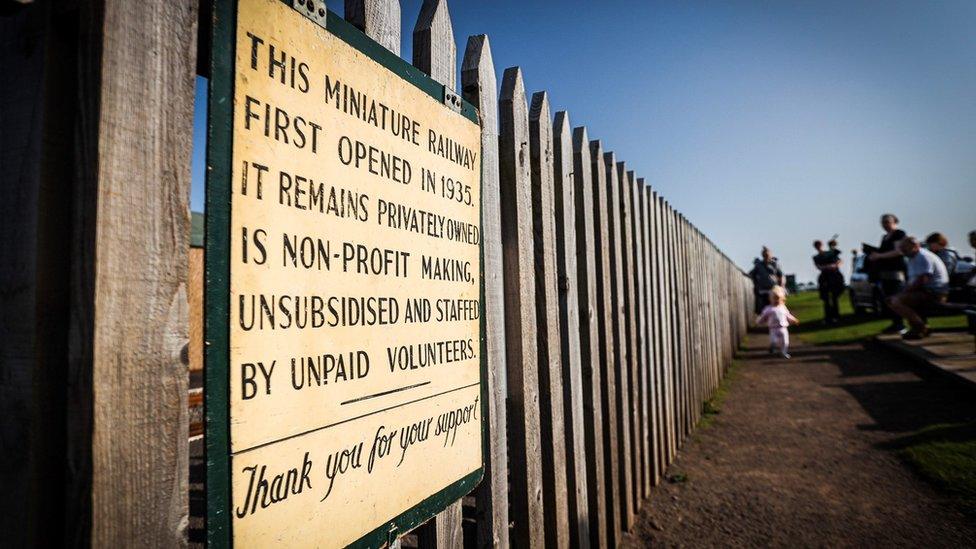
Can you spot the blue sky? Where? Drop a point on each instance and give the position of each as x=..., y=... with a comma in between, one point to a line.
x=763, y=122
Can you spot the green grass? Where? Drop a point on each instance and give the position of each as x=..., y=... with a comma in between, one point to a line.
x=945, y=455
x=808, y=308
x=713, y=406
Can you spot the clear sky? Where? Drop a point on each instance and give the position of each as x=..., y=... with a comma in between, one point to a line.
x=764, y=122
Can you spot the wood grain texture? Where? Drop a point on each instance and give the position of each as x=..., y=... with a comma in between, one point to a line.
x=547, y=319
x=518, y=259
x=379, y=19
x=478, y=86
x=590, y=319
x=442, y=531
x=608, y=339
x=643, y=335
x=630, y=332
x=569, y=327
x=622, y=356
x=434, y=49
x=142, y=228
x=654, y=337
x=669, y=334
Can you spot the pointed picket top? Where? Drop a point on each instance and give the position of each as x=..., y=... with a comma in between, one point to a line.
x=434, y=49
x=524, y=443
x=478, y=83
x=547, y=317
x=379, y=19
x=587, y=244
x=513, y=86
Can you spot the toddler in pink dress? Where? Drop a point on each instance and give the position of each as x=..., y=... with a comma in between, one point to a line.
x=778, y=318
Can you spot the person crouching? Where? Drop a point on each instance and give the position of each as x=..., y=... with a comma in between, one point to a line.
x=928, y=287
x=778, y=319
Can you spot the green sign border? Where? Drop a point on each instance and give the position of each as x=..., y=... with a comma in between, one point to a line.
x=217, y=290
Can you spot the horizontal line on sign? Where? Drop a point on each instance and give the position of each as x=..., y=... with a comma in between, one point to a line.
x=388, y=408
x=384, y=393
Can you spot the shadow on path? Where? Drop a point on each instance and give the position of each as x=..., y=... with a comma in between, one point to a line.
x=802, y=454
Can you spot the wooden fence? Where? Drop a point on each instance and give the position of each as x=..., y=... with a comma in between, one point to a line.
x=609, y=317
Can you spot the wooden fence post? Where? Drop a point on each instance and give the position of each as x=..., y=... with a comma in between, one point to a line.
x=135, y=148
x=547, y=322
x=640, y=355
x=632, y=322
x=622, y=356
x=435, y=53
x=608, y=338
x=569, y=327
x=478, y=84
x=525, y=466
x=590, y=319
x=647, y=363
x=379, y=19
x=434, y=49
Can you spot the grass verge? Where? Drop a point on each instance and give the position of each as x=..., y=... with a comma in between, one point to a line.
x=808, y=308
x=945, y=454
x=713, y=406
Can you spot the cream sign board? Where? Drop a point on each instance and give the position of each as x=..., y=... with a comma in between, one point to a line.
x=344, y=319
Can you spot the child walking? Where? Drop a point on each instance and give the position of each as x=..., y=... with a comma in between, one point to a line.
x=778, y=318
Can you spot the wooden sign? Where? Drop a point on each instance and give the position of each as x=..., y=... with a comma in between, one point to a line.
x=344, y=373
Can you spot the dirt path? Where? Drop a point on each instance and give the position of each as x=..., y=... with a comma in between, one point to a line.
x=797, y=457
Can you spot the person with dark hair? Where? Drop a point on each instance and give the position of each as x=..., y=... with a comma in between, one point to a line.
x=890, y=266
x=765, y=274
x=938, y=244
x=972, y=239
x=928, y=287
x=830, y=282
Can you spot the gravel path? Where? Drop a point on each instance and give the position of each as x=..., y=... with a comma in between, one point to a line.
x=797, y=457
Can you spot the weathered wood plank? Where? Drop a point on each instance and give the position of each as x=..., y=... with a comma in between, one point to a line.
x=379, y=19
x=442, y=531
x=655, y=335
x=479, y=85
x=518, y=255
x=622, y=356
x=434, y=49
x=435, y=53
x=670, y=334
x=608, y=339
x=141, y=227
x=590, y=318
x=547, y=325
x=644, y=332
x=569, y=326
x=630, y=330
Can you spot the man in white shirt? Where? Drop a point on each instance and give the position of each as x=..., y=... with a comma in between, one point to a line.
x=928, y=286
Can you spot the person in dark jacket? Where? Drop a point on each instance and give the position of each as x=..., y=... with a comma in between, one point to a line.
x=890, y=265
x=830, y=282
x=765, y=275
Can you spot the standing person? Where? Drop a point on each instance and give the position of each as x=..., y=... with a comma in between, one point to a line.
x=778, y=318
x=890, y=265
x=928, y=286
x=765, y=274
x=938, y=244
x=830, y=282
